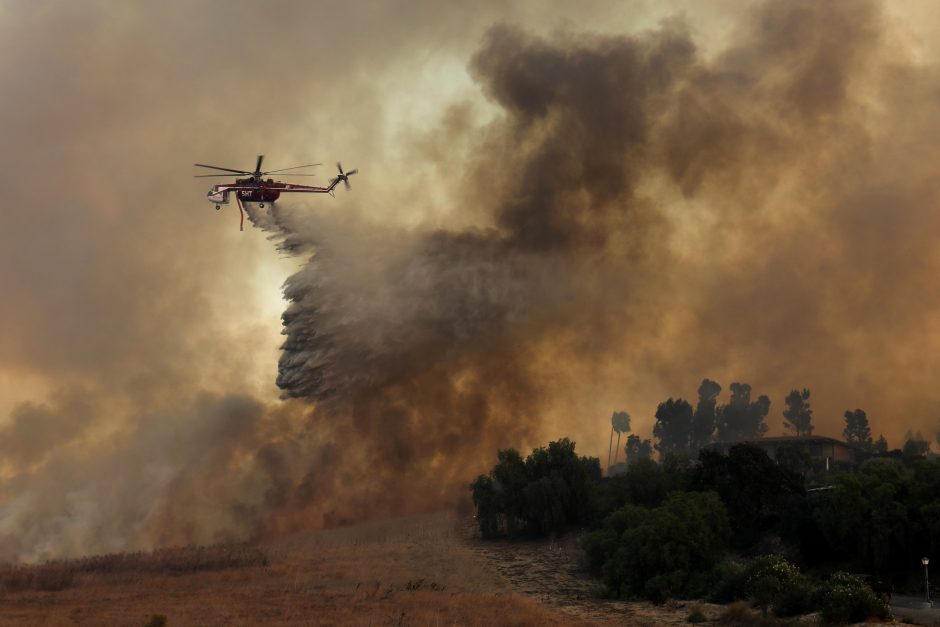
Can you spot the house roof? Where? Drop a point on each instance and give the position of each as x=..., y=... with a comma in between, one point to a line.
x=792, y=439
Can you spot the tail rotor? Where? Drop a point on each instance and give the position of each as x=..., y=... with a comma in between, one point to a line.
x=344, y=176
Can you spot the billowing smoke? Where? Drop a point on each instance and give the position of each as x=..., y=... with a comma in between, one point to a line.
x=628, y=215
x=426, y=348
x=442, y=343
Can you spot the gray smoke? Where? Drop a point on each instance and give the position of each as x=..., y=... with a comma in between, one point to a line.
x=581, y=262
x=627, y=215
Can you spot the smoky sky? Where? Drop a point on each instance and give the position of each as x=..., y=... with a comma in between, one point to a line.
x=557, y=216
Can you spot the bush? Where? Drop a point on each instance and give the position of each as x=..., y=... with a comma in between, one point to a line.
x=770, y=581
x=726, y=582
x=660, y=552
x=795, y=599
x=846, y=599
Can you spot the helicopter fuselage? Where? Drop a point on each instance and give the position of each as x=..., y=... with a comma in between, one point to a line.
x=250, y=191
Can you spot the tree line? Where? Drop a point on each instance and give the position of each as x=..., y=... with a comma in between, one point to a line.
x=681, y=429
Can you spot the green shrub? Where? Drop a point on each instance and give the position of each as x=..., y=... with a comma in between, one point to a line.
x=846, y=599
x=795, y=599
x=725, y=582
x=661, y=552
x=770, y=581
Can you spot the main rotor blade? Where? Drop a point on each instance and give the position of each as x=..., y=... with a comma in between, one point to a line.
x=258, y=165
x=296, y=167
x=215, y=167
x=348, y=186
x=339, y=166
x=351, y=172
x=225, y=176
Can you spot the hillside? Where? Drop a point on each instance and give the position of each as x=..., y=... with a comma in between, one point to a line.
x=420, y=570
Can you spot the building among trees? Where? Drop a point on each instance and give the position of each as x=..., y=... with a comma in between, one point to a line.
x=816, y=447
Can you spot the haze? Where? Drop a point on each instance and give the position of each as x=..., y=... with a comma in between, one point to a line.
x=561, y=211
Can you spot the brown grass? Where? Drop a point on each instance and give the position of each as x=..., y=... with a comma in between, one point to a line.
x=412, y=571
x=425, y=570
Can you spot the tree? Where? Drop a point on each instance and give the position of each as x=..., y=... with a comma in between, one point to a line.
x=761, y=495
x=704, y=418
x=865, y=518
x=509, y=480
x=619, y=422
x=673, y=427
x=741, y=419
x=880, y=447
x=499, y=497
x=798, y=414
x=610, y=444
x=857, y=430
x=643, y=482
x=881, y=518
x=551, y=489
x=637, y=449
x=915, y=445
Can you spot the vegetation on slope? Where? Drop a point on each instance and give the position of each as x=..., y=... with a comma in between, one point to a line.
x=728, y=526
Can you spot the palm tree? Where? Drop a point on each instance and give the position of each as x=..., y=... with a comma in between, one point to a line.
x=619, y=422
x=611, y=444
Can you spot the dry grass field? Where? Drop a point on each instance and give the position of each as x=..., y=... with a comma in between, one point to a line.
x=420, y=570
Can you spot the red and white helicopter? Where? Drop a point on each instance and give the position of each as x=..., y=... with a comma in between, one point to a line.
x=256, y=189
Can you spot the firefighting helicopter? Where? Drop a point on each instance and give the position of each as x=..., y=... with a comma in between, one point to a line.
x=255, y=188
